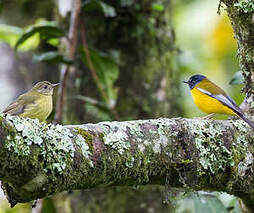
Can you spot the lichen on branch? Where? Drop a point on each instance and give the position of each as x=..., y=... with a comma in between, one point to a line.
x=39, y=159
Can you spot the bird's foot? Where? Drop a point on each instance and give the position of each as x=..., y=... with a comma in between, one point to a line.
x=208, y=117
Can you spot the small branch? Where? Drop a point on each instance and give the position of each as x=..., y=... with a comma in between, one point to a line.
x=93, y=71
x=61, y=93
x=90, y=63
x=38, y=207
x=219, y=7
x=71, y=50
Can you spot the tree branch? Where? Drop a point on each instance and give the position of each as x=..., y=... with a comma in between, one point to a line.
x=71, y=50
x=93, y=72
x=39, y=159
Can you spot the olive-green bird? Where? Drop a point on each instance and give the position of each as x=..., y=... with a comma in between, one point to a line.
x=36, y=103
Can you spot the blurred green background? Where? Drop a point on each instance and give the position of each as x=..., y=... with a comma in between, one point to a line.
x=141, y=52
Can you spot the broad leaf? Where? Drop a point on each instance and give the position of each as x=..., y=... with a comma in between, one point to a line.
x=44, y=29
x=52, y=57
x=10, y=35
x=101, y=6
x=158, y=7
x=100, y=105
x=237, y=78
x=107, y=70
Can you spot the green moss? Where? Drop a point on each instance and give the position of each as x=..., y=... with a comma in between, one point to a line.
x=125, y=168
x=213, y=155
x=87, y=136
x=50, y=139
x=188, y=161
x=246, y=6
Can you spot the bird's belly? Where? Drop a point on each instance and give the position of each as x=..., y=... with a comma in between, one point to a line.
x=40, y=109
x=208, y=104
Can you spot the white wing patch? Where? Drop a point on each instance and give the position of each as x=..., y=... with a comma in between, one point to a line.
x=223, y=99
x=204, y=91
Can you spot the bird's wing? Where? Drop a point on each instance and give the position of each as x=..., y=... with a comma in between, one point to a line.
x=18, y=106
x=15, y=108
x=224, y=99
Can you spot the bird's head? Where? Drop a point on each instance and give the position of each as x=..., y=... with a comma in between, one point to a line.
x=44, y=87
x=193, y=80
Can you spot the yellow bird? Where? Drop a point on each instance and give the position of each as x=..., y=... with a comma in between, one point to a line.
x=212, y=99
x=36, y=103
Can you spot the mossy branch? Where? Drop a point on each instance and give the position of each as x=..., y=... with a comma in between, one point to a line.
x=240, y=13
x=39, y=159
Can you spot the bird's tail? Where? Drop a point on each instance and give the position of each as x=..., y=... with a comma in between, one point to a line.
x=247, y=120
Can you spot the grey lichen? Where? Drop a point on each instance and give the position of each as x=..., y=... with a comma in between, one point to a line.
x=55, y=141
x=116, y=136
x=246, y=6
x=16, y=145
x=148, y=134
x=213, y=156
x=83, y=148
x=245, y=165
x=131, y=152
x=130, y=162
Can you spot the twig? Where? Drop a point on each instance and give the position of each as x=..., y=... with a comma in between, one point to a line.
x=90, y=64
x=93, y=72
x=219, y=6
x=38, y=208
x=71, y=49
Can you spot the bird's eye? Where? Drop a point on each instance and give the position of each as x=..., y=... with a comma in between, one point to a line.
x=45, y=87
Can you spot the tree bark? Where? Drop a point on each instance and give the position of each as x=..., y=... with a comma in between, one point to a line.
x=145, y=41
x=242, y=19
x=39, y=159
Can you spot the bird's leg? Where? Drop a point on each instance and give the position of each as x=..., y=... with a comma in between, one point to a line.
x=208, y=117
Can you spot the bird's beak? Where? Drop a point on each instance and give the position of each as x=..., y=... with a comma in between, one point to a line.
x=55, y=85
x=186, y=82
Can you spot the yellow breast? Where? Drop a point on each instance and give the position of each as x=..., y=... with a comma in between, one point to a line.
x=40, y=109
x=208, y=104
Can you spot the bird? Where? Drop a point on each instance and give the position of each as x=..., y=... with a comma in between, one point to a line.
x=36, y=103
x=211, y=99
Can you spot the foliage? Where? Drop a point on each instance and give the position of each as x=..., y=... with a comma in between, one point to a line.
x=11, y=34
x=52, y=57
x=45, y=29
x=107, y=71
x=29, y=37
x=97, y=5
x=237, y=78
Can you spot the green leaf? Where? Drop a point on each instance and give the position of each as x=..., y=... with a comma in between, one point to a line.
x=97, y=113
x=45, y=29
x=52, y=57
x=107, y=71
x=100, y=105
x=53, y=41
x=158, y=7
x=101, y=6
x=10, y=35
x=45, y=32
x=237, y=78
